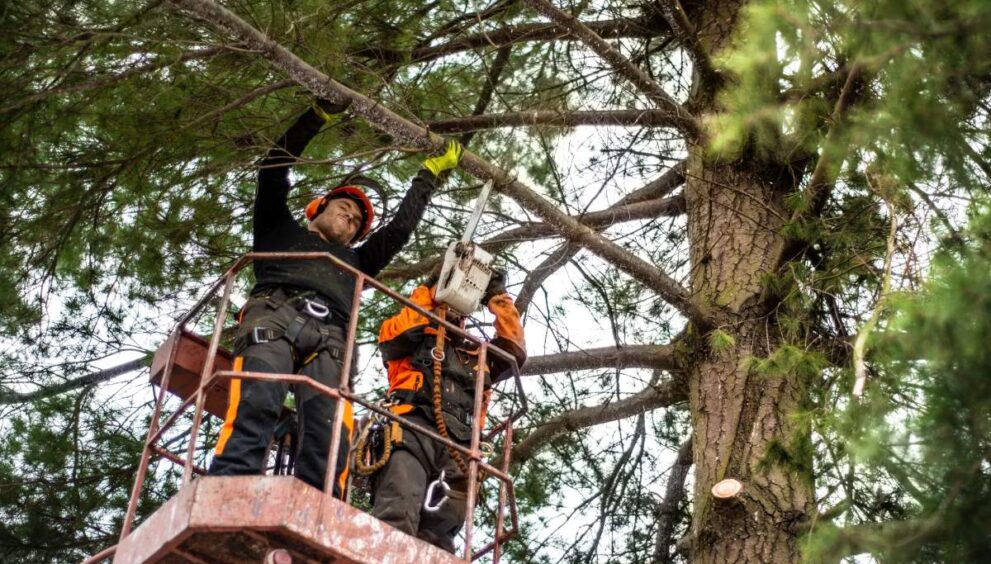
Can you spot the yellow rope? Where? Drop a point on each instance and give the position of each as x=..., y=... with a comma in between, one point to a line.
x=360, y=467
x=438, y=411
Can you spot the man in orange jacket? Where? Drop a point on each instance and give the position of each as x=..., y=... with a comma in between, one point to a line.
x=406, y=342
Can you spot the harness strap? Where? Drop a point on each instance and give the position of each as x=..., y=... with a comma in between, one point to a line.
x=294, y=328
x=419, y=398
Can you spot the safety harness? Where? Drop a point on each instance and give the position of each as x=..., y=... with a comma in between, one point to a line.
x=307, y=306
x=435, y=400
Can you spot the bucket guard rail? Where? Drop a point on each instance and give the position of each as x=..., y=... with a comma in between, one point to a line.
x=205, y=394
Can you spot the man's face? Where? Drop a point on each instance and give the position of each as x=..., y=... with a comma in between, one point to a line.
x=339, y=221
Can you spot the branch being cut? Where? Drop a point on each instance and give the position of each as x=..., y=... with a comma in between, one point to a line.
x=684, y=120
x=597, y=220
x=410, y=134
x=663, y=394
x=659, y=357
x=640, y=118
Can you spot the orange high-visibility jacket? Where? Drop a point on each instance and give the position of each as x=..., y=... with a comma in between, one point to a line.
x=400, y=336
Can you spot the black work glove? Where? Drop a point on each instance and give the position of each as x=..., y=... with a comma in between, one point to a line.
x=496, y=287
x=326, y=109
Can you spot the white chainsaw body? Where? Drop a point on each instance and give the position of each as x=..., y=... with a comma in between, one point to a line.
x=463, y=277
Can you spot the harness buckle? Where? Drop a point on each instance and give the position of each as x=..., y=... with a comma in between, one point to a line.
x=437, y=354
x=260, y=334
x=316, y=309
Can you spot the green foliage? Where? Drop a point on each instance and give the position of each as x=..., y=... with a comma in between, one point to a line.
x=925, y=423
x=787, y=361
x=126, y=163
x=720, y=340
x=61, y=499
x=924, y=62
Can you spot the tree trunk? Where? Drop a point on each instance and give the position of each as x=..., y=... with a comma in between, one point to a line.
x=744, y=423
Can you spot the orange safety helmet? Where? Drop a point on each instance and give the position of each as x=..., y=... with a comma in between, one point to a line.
x=350, y=190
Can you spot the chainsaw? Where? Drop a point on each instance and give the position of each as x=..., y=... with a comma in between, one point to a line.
x=465, y=273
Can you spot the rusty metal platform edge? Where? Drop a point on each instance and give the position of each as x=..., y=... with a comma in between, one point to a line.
x=273, y=503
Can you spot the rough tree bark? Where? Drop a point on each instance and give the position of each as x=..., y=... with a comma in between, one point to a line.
x=735, y=217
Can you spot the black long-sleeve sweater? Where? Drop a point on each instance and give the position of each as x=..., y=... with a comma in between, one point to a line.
x=275, y=229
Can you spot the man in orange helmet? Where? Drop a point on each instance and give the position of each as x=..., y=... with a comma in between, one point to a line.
x=295, y=320
x=407, y=342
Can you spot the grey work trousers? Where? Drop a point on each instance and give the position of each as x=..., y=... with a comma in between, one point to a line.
x=399, y=488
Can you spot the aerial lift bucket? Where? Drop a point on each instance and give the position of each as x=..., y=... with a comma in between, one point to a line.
x=249, y=518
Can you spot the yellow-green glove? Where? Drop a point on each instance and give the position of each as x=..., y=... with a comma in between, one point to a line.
x=446, y=161
x=326, y=109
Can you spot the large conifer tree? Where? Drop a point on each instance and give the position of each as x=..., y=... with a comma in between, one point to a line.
x=712, y=211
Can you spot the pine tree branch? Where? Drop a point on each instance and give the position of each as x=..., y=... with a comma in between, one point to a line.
x=107, y=80
x=661, y=207
x=667, y=509
x=664, y=394
x=658, y=357
x=247, y=98
x=860, y=343
x=820, y=183
x=547, y=118
x=657, y=188
x=537, y=276
x=9, y=398
x=410, y=134
x=597, y=220
x=509, y=35
x=682, y=119
x=458, y=25
x=686, y=34
x=878, y=537
x=827, y=168
x=485, y=97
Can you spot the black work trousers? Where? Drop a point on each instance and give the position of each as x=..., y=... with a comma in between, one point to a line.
x=398, y=489
x=254, y=406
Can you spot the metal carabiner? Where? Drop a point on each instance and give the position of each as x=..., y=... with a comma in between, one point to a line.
x=316, y=309
x=488, y=449
x=430, y=494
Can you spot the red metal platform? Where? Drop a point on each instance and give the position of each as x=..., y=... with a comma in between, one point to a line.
x=234, y=519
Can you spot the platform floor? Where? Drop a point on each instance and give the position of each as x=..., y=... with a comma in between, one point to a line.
x=238, y=519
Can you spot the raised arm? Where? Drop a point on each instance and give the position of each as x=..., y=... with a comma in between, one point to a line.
x=271, y=208
x=382, y=246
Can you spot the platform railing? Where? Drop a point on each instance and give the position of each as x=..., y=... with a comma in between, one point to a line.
x=209, y=378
